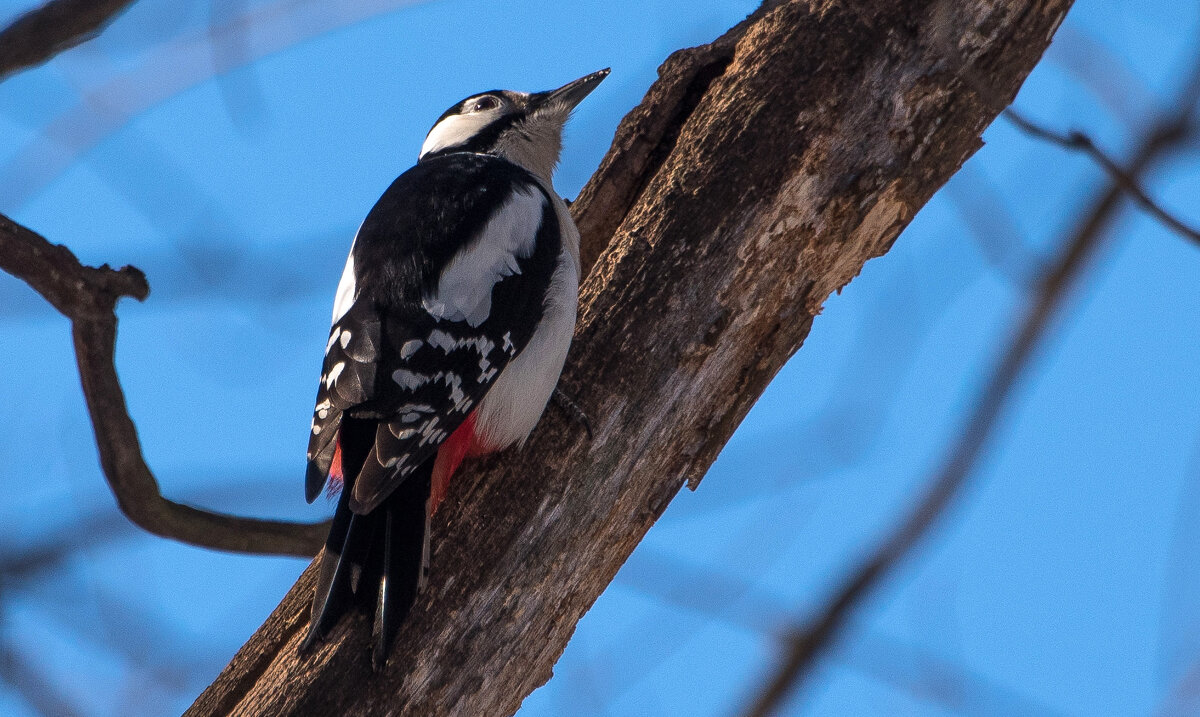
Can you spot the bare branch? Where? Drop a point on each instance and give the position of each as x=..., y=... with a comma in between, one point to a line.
x=88, y=296
x=42, y=33
x=810, y=641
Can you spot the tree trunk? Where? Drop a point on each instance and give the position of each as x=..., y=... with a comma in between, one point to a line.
x=757, y=176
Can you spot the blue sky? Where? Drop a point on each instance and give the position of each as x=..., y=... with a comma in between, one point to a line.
x=233, y=168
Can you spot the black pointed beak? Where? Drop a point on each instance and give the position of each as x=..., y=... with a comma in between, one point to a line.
x=572, y=93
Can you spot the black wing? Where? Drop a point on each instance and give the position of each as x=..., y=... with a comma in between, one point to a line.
x=448, y=276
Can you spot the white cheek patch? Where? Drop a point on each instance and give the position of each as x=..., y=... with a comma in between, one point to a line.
x=464, y=290
x=455, y=130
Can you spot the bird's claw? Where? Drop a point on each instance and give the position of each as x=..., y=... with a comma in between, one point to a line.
x=572, y=409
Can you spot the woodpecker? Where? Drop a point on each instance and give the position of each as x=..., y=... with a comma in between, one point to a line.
x=450, y=327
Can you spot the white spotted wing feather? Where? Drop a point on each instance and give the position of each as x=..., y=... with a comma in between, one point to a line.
x=420, y=371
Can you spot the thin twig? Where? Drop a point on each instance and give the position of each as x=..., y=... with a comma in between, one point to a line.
x=1074, y=140
x=809, y=642
x=1080, y=142
x=88, y=297
x=43, y=32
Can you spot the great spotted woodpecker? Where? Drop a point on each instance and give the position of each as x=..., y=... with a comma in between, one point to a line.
x=450, y=328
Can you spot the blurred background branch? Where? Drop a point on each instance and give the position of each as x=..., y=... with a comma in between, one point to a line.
x=42, y=33
x=30, y=684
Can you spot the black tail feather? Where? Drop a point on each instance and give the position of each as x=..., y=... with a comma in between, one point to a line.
x=342, y=561
x=376, y=561
x=405, y=525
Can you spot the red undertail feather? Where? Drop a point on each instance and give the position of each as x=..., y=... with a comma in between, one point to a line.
x=462, y=443
x=336, y=474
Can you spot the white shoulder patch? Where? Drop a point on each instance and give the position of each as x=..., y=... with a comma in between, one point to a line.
x=464, y=290
x=346, y=290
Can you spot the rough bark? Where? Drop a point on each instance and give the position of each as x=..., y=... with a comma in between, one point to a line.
x=757, y=176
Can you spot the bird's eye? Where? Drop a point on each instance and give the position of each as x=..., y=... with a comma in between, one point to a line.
x=483, y=104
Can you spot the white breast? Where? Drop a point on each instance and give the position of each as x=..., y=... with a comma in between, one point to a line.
x=512, y=407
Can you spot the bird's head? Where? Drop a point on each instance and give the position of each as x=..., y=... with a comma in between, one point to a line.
x=524, y=128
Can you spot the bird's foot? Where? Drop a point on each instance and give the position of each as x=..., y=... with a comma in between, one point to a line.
x=572, y=409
